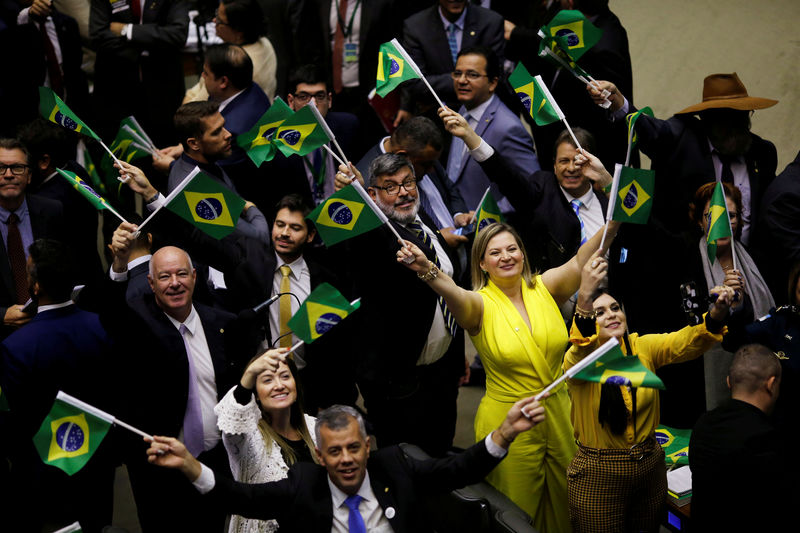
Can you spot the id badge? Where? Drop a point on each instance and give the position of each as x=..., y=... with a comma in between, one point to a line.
x=350, y=52
x=120, y=5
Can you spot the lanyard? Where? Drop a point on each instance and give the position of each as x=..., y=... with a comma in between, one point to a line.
x=349, y=30
x=318, y=177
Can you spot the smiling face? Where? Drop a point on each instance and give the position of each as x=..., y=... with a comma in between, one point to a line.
x=12, y=186
x=172, y=281
x=611, y=321
x=344, y=454
x=404, y=205
x=570, y=176
x=276, y=389
x=289, y=234
x=503, y=259
x=471, y=92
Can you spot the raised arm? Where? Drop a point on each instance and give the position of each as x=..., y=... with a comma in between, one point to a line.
x=466, y=306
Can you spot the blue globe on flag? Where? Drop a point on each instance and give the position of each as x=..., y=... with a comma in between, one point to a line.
x=209, y=208
x=632, y=198
x=394, y=68
x=65, y=121
x=340, y=213
x=69, y=437
x=326, y=322
x=290, y=137
x=526, y=101
x=269, y=133
x=486, y=222
x=572, y=37
x=618, y=380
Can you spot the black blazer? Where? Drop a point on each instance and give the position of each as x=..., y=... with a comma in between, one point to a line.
x=302, y=502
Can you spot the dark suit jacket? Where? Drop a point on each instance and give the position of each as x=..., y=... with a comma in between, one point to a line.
x=302, y=502
x=425, y=40
x=240, y=115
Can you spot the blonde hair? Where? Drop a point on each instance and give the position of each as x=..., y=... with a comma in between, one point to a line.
x=479, y=277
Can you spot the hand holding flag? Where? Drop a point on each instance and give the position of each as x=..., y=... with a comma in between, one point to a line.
x=718, y=223
x=393, y=69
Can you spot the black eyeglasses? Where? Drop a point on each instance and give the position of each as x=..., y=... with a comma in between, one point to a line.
x=305, y=97
x=394, y=188
x=18, y=169
x=470, y=74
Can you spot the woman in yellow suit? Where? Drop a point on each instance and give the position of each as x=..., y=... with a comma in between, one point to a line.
x=513, y=319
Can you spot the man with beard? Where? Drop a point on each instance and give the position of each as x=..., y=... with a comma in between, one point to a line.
x=411, y=353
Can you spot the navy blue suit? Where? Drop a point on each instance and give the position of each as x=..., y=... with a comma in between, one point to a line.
x=240, y=115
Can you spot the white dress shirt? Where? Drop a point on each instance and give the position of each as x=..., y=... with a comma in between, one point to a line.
x=373, y=515
x=591, y=211
x=300, y=283
x=349, y=68
x=741, y=179
x=459, y=25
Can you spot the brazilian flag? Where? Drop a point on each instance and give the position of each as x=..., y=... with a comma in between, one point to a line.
x=631, y=120
x=634, y=195
x=207, y=204
x=127, y=146
x=719, y=223
x=615, y=368
x=55, y=110
x=300, y=134
x=86, y=191
x=675, y=443
x=70, y=434
x=572, y=32
x=91, y=168
x=487, y=212
x=259, y=141
x=392, y=68
x=343, y=215
x=535, y=96
x=323, y=309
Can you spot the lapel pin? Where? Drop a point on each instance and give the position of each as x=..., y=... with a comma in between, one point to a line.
x=472, y=33
x=389, y=512
x=221, y=330
x=386, y=489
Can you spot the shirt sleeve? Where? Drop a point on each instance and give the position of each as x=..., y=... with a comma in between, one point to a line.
x=620, y=113
x=117, y=276
x=483, y=152
x=155, y=204
x=493, y=449
x=205, y=481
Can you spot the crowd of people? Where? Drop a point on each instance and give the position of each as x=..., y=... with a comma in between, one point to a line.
x=186, y=336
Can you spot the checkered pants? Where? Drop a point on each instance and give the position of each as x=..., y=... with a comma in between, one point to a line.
x=612, y=491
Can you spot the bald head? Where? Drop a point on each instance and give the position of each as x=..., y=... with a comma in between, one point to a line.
x=172, y=278
x=755, y=375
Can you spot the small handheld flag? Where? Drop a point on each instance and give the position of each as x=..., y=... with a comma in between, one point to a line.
x=300, y=134
x=87, y=192
x=210, y=206
x=343, y=215
x=407, y=62
x=122, y=147
x=719, y=223
x=632, y=139
x=324, y=308
x=134, y=126
x=392, y=69
x=615, y=368
x=487, y=212
x=633, y=195
x=571, y=31
x=259, y=142
x=55, y=110
x=71, y=432
x=91, y=168
x=675, y=443
x=535, y=97
x=610, y=344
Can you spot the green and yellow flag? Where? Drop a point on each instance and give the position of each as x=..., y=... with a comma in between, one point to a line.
x=55, y=110
x=323, y=309
x=634, y=195
x=207, y=204
x=631, y=120
x=487, y=212
x=300, y=134
x=393, y=69
x=126, y=147
x=570, y=31
x=91, y=169
x=719, y=224
x=535, y=96
x=615, y=368
x=675, y=443
x=132, y=125
x=71, y=433
x=86, y=191
x=343, y=215
x=259, y=141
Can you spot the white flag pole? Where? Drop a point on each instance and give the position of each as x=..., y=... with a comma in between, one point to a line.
x=475, y=214
x=94, y=411
x=586, y=361
x=415, y=68
x=182, y=185
x=324, y=125
x=144, y=133
x=612, y=200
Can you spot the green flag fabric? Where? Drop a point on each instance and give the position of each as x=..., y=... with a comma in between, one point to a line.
x=300, y=134
x=343, y=215
x=207, y=204
x=91, y=169
x=615, y=368
x=634, y=195
x=534, y=96
x=86, y=191
x=124, y=148
x=392, y=69
x=571, y=32
x=259, y=141
x=488, y=212
x=719, y=225
x=69, y=436
x=631, y=120
x=675, y=443
x=323, y=309
x=134, y=125
x=55, y=110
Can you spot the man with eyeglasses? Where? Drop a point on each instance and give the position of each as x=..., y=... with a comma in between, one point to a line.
x=23, y=219
x=475, y=79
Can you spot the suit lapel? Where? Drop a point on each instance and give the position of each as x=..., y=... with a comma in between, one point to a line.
x=215, y=340
x=386, y=500
x=468, y=37
x=438, y=38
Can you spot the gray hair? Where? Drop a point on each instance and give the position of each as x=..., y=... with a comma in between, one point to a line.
x=338, y=417
x=387, y=165
x=188, y=258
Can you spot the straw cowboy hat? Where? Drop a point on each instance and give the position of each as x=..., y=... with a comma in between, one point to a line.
x=726, y=91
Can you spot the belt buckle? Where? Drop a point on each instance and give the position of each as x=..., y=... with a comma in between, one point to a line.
x=633, y=451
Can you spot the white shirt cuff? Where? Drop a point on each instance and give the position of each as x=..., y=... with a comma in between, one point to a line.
x=620, y=113
x=118, y=276
x=483, y=152
x=155, y=204
x=23, y=17
x=206, y=481
x=127, y=30
x=493, y=449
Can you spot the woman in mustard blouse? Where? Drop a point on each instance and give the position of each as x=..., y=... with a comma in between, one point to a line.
x=513, y=319
x=617, y=479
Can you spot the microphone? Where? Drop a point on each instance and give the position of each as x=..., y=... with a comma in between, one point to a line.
x=250, y=314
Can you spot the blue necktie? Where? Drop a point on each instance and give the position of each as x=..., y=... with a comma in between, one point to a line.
x=449, y=320
x=576, y=206
x=356, y=522
x=451, y=40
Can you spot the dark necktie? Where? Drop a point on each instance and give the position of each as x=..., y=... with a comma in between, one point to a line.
x=193, y=417
x=136, y=9
x=16, y=256
x=356, y=522
x=53, y=68
x=449, y=321
x=727, y=174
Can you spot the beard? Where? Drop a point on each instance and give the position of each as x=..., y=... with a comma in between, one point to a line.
x=403, y=217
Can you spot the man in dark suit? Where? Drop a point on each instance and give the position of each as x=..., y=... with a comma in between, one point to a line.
x=433, y=38
x=62, y=348
x=139, y=70
x=353, y=491
x=23, y=218
x=741, y=433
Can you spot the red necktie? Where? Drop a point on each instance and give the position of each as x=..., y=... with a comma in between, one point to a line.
x=16, y=256
x=136, y=8
x=53, y=68
x=338, y=48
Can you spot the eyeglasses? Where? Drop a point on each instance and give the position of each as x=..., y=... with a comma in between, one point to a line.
x=305, y=97
x=394, y=188
x=218, y=20
x=731, y=214
x=18, y=169
x=470, y=74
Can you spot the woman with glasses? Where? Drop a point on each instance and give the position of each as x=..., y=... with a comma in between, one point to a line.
x=241, y=22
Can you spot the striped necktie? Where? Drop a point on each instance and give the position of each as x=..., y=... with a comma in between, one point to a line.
x=449, y=320
x=451, y=40
x=576, y=206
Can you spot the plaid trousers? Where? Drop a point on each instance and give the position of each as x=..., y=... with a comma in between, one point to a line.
x=611, y=490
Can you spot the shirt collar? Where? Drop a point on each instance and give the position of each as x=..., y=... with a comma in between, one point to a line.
x=21, y=211
x=459, y=23
x=382, y=143
x=586, y=199
x=298, y=266
x=338, y=497
x=43, y=308
x=478, y=111
x=223, y=104
x=138, y=261
x=190, y=322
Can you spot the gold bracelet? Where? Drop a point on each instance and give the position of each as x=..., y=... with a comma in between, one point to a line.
x=581, y=313
x=431, y=274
